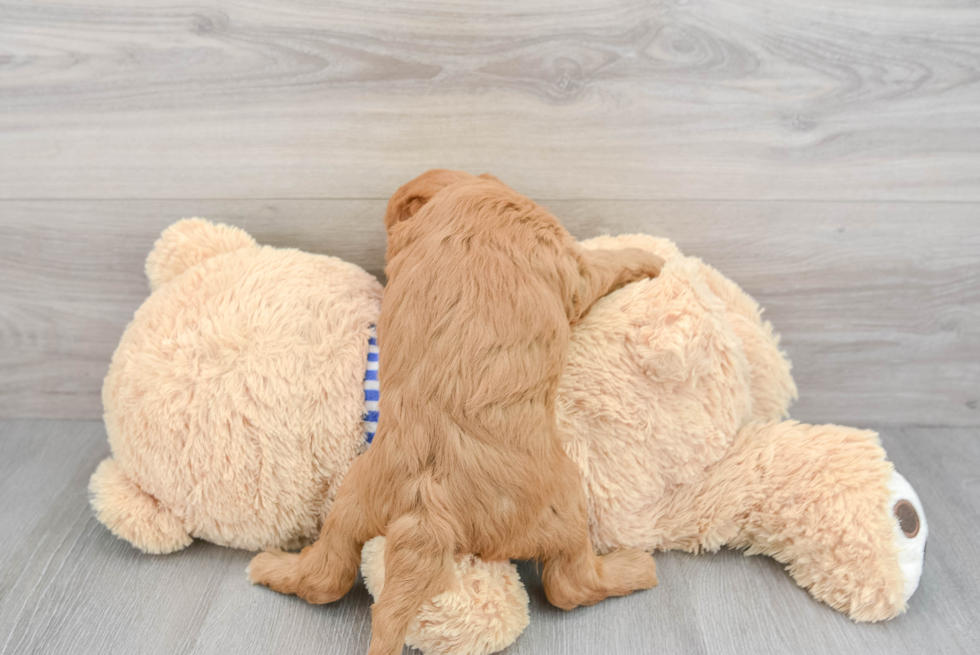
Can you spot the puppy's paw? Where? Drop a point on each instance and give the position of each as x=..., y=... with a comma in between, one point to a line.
x=629, y=569
x=640, y=264
x=276, y=570
x=315, y=581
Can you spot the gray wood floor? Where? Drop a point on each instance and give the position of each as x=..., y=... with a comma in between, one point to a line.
x=68, y=586
x=824, y=154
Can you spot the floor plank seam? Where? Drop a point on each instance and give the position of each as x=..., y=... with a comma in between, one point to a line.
x=816, y=201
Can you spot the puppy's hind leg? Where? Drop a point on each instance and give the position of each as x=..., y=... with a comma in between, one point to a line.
x=326, y=570
x=584, y=578
x=418, y=566
x=573, y=574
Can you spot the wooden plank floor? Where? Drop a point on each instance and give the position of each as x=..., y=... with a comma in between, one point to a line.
x=825, y=154
x=68, y=586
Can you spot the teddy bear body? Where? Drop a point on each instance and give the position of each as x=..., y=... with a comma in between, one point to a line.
x=653, y=364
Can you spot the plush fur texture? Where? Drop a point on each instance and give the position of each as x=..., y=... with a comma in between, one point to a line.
x=474, y=330
x=688, y=354
x=189, y=243
x=696, y=351
x=233, y=400
x=665, y=378
x=485, y=611
x=780, y=491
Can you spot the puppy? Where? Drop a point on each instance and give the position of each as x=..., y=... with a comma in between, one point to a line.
x=482, y=287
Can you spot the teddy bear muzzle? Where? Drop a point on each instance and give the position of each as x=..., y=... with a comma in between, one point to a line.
x=908, y=518
x=911, y=530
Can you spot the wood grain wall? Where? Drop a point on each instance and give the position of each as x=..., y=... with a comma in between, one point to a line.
x=824, y=155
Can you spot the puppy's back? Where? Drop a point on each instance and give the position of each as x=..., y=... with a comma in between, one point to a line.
x=476, y=309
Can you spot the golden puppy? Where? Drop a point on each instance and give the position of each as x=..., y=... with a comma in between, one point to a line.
x=473, y=332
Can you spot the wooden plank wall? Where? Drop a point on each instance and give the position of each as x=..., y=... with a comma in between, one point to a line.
x=826, y=155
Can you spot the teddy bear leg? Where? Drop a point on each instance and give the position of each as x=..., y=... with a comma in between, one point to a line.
x=829, y=505
x=132, y=514
x=820, y=498
x=483, y=611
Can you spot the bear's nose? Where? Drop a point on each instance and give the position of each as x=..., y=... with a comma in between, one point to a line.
x=908, y=518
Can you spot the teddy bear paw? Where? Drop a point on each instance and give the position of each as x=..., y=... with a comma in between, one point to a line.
x=911, y=530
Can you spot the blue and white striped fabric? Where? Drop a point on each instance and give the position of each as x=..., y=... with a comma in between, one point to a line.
x=371, y=389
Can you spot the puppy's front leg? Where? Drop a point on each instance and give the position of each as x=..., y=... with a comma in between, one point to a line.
x=603, y=271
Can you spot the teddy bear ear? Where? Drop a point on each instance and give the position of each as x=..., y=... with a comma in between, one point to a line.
x=189, y=242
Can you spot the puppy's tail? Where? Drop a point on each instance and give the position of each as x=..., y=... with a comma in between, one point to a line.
x=418, y=565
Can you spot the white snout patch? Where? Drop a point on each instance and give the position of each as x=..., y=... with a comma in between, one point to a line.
x=911, y=530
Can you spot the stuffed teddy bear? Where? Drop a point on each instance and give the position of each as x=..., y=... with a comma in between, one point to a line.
x=246, y=385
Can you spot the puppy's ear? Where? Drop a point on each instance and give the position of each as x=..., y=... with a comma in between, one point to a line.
x=487, y=176
x=411, y=197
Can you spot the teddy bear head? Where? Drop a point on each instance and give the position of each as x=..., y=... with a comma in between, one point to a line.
x=233, y=402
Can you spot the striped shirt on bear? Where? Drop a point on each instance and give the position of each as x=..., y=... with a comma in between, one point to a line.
x=371, y=389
